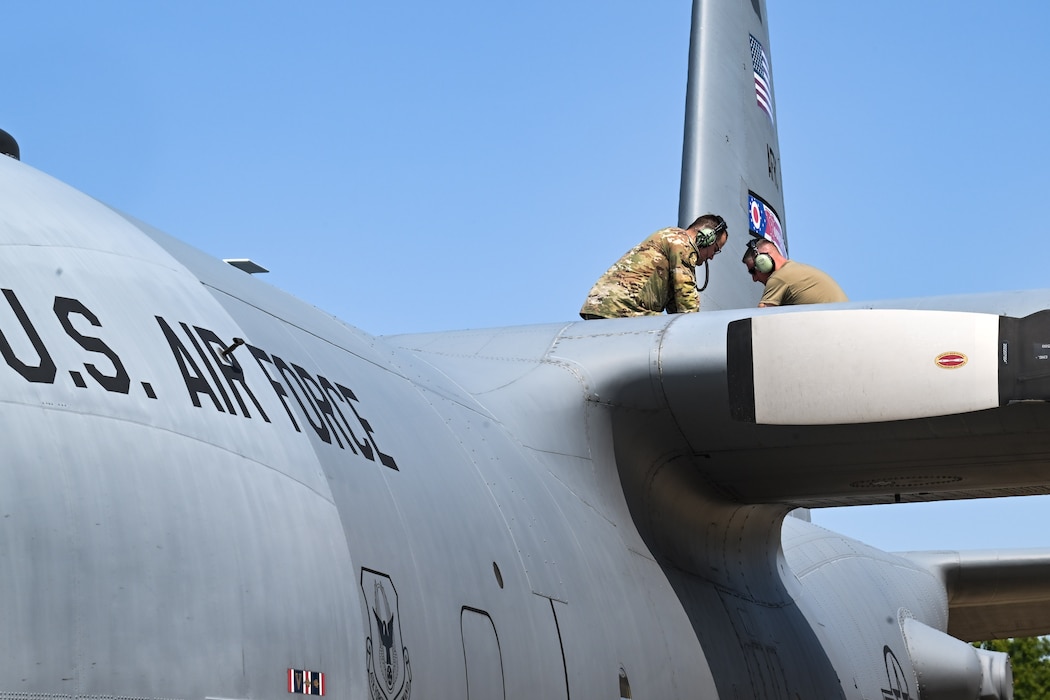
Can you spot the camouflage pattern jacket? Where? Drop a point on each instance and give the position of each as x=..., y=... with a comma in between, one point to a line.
x=657, y=275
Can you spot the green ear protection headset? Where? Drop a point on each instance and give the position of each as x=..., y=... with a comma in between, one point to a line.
x=706, y=237
x=763, y=262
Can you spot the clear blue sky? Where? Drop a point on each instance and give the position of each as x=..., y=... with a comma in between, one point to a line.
x=418, y=166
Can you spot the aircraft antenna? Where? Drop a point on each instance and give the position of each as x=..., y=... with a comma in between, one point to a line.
x=8, y=145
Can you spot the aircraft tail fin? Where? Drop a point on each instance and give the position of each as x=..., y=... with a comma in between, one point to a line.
x=731, y=155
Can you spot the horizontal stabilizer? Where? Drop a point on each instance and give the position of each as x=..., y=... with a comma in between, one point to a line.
x=993, y=594
x=873, y=365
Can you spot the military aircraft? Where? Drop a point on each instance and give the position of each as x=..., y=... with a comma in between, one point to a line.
x=214, y=490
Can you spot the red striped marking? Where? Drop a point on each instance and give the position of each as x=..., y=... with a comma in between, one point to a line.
x=951, y=360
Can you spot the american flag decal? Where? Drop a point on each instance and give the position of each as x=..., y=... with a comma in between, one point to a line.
x=305, y=682
x=760, y=66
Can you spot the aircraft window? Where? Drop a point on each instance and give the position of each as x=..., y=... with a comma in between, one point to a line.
x=499, y=576
x=625, y=685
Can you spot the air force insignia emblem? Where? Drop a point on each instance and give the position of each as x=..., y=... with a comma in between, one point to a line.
x=389, y=672
x=896, y=678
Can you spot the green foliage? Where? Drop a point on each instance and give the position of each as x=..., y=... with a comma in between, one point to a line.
x=1030, y=658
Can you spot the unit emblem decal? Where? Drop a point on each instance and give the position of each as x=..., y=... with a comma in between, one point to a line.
x=895, y=677
x=386, y=657
x=951, y=360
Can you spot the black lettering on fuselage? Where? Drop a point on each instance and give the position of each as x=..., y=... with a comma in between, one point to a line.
x=321, y=401
x=211, y=370
x=385, y=459
x=319, y=427
x=323, y=405
x=348, y=396
x=332, y=393
x=42, y=373
x=278, y=388
x=120, y=382
x=771, y=157
x=196, y=384
x=232, y=371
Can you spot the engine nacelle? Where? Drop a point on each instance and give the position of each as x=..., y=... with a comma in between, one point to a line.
x=949, y=669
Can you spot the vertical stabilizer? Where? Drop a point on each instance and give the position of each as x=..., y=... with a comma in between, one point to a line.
x=731, y=156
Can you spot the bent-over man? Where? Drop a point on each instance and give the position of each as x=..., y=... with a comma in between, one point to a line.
x=658, y=274
x=787, y=281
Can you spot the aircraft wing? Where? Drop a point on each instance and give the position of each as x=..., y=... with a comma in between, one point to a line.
x=993, y=594
x=657, y=394
x=815, y=406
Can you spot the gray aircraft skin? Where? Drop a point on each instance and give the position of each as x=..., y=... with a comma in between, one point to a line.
x=211, y=490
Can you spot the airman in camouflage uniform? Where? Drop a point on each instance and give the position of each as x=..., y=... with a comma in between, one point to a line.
x=658, y=274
